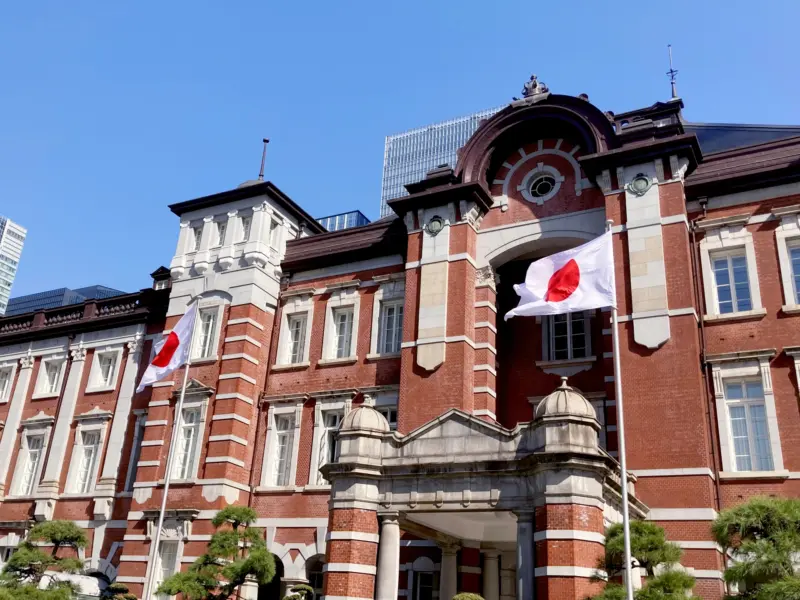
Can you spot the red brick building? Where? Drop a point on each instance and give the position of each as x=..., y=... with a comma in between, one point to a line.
x=361, y=391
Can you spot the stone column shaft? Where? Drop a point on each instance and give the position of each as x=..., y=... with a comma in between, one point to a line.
x=9, y=438
x=525, y=564
x=386, y=583
x=491, y=575
x=448, y=579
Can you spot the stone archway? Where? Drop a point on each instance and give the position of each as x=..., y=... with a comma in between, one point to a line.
x=273, y=590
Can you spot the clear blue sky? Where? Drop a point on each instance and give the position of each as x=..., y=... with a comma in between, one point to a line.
x=113, y=110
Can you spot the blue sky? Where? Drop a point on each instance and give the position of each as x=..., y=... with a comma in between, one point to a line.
x=113, y=110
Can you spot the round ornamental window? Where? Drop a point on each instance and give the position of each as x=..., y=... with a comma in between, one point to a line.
x=435, y=225
x=640, y=184
x=542, y=185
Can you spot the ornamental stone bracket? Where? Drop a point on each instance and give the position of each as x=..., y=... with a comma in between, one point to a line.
x=177, y=524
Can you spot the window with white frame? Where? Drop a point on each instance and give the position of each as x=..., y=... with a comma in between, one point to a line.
x=748, y=425
x=247, y=223
x=794, y=261
x=197, y=237
x=104, y=369
x=161, y=284
x=49, y=379
x=85, y=458
x=343, y=328
x=390, y=333
x=731, y=282
x=188, y=444
x=273, y=233
x=206, y=333
x=567, y=336
x=284, y=442
x=30, y=465
x=221, y=226
x=136, y=451
x=6, y=375
x=328, y=444
x=297, y=324
x=390, y=414
x=167, y=563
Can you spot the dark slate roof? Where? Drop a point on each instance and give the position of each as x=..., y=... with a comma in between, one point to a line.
x=718, y=137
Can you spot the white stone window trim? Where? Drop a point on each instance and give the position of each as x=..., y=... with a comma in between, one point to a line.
x=199, y=440
x=209, y=305
x=387, y=400
x=322, y=406
x=721, y=238
x=392, y=290
x=756, y=365
x=11, y=368
x=41, y=378
x=569, y=366
x=787, y=236
x=270, y=452
x=539, y=170
x=138, y=438
x=295, y=305
x=39, y=425
x=95, y=374
x=95, y=420
x=342, y=297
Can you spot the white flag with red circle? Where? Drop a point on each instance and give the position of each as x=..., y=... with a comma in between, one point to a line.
x=581, y=278
x=173, y=351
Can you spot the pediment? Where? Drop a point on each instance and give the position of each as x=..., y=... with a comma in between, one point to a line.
x=195, y=388
x=96, y=413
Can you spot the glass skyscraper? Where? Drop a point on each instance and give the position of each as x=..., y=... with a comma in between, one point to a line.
x=12, y=238
x=409, y=156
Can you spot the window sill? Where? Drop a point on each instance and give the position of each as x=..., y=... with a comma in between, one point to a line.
x=384, y=356
x=41, y=395
x=20, y=498
x=791, y=309
x=77, y=496
x=291, y=366
x=203, y=360
x=736, y=316
x=98, y=390
x=754, y=475
x=566, y=368
x=277, y=489
x=322, y=487
x=347, y=360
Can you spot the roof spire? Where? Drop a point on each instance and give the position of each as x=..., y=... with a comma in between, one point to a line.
x=263, y=160
x=672, y=73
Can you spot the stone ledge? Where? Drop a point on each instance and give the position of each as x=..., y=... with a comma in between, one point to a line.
x=757, y=313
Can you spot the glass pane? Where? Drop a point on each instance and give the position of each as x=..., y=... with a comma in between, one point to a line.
x=754, y=389
x=721, y=271
x=741, y=442
x=733, y=391
x=762, y=450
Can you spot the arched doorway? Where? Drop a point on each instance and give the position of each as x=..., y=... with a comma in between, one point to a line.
x=314, y=573
x=272, y=590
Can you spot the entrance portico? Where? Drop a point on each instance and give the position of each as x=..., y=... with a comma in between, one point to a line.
x=540, y=493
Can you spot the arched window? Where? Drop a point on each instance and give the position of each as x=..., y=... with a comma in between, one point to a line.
x=423, y=581
x=314, y=573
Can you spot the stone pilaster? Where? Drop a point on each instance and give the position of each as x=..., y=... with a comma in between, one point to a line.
x=9, y=438
x=491, y=575
x=388, y=557
x=448, y=578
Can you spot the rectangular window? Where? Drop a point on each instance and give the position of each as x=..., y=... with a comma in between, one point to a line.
x=343, y=324
x=748, y=421
x=297, y=338
x=188, y=442
x=284, y=431
x=87, y=460
x=106, y=365
x=206, y=333
x=30, y=468
x=167, y=561
x=390, y=414
x=273, y=234
x=136, y=452
x=390, y=334
x=160, y=285
x=794, y=257
x=5, y=383
x=247, y=223
x=732, y=283
x=221, y=227
x=52, y=373
x=332, y=421
x=568, y=336
x=197, y=237
x=423, y=586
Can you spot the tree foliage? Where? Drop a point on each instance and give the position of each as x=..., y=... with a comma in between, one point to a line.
x=116, y=591
x=467, y=596
x=237, y=552
x=300, y=591
x=761, y=536
x=651, y=550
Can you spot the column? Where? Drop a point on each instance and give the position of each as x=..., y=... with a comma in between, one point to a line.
x=525, y=566
x=491, y=575
x=388, y=557
x=178, y=265
x=448, y=578
x=106, y=487
x=9, y=438
x=508, y=576
x=49, y=488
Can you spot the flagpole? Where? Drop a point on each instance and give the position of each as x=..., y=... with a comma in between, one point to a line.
x=626, y=520
x=151, y=562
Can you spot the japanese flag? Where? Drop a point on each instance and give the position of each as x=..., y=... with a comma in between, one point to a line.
x=577, y=279
x=173, y=351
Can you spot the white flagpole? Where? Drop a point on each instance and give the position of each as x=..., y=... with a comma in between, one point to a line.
x=626, y=521
x=151, y=562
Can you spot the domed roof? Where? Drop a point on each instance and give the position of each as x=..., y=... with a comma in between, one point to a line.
x=365, y=417
x=565, y=401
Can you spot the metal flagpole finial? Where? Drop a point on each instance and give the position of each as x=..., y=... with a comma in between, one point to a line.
x=672, y=73
x=263, y=159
